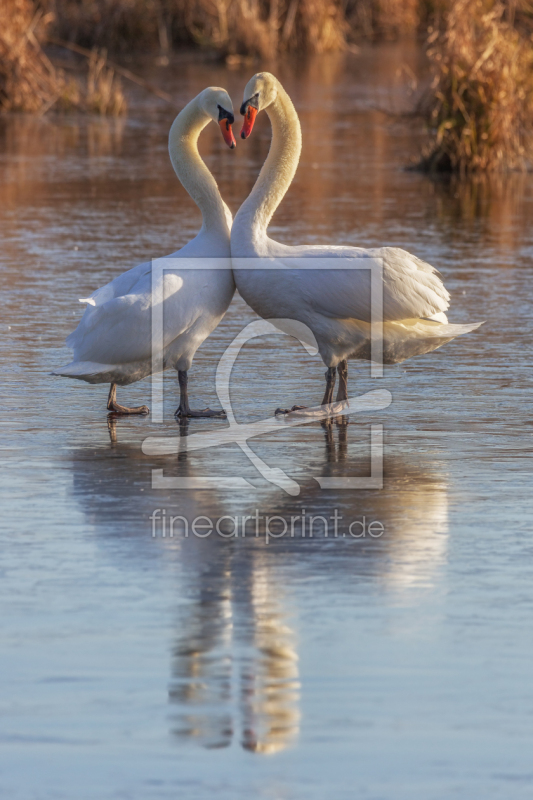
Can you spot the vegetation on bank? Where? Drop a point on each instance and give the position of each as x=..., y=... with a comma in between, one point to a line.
x=30, y=82
x=237, y=27
x=478, y=108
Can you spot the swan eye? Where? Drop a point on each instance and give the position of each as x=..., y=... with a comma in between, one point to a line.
x=252, y=102
x=224, y=114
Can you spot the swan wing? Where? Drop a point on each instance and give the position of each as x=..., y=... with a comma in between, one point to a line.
x=412, y=289
x=119, y=286
x=120, y=330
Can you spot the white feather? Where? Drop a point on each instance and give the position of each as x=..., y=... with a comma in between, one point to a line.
x=113, y=341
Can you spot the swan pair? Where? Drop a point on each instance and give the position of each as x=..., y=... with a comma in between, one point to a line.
x=112, y=342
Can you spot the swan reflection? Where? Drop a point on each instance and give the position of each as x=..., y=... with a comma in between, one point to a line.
x=412, y=506
x=235, y=664
x=234, y=672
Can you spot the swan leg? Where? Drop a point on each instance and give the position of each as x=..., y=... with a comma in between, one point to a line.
x=112, y=404
x=342, y=392
x=289, y=410
x=112, y=428
x=331, y=377
x=184, y=409
x=327, y=426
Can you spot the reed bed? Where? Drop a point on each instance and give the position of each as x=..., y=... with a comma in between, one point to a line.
x=245, y=27
x=479, y=107
x=103, y=94
x=117, y=25
x=237, y=27
x=29, y=82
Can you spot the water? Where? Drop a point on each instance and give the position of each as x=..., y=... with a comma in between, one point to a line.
x=136, y=666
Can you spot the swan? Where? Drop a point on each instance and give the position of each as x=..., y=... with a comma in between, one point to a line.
x=113, y=341
x=334, y=303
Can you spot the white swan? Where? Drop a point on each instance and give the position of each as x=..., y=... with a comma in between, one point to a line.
x=334, y=304
x=113, y=342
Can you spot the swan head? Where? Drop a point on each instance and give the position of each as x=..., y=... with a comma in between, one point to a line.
x=217, y=105
x=260, y=92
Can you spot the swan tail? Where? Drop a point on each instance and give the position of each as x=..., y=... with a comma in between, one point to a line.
x=451, y=329
x=89, y=371
x=439, y=317
x=405, y=340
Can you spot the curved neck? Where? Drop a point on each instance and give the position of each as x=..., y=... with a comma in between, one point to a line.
x=278, y=170
x=191, y=170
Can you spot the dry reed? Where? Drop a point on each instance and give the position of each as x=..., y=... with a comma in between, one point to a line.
x=389, y=19
x=397, y=19
x=28, y=81
x=104, y=93
x=480, y=105
x=261, y=28
x=117, y=25
x=246, y=27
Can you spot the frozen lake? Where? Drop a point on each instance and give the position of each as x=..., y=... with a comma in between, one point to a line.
x=295, y=668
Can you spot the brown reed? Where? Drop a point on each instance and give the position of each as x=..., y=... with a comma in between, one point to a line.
x=103, y=92
x=28, y=80
x=479, y=108
x=117, y=25
x=396, y=19
x=246, y=27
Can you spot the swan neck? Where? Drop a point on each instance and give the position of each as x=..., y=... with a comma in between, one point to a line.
x=191, y=170
x=278, y=170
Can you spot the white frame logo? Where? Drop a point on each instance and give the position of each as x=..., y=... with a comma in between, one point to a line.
x=238, y=433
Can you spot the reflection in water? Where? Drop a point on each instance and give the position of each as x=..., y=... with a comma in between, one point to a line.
x=336, y=453
x=493, y=202
x=104, y=137
x=202, y=662
x=234, y=671
x=270, y=678
x=235, y=666
x=235, y=675
x=419, y=548
x=417, y=518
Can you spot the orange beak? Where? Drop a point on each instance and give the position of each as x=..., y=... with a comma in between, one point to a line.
x=227, y=133
x=248, y=124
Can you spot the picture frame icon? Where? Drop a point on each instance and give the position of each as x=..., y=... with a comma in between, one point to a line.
x=237, y=433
